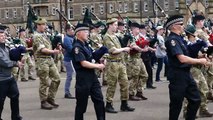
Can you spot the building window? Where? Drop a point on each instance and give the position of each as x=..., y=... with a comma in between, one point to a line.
x=177, y=5
x=120, y=7
x=111, y=8
x=126, y=7
x=70, y=13
x=206, y=3
x=155, y=6
x=188, y=2
x=101, y=6
x=135, y=7
x=53, y=10
x=92, y=9
x=166, y=5
x=146, y=7
x=6, y=13
x=69, y=0
x=14, y=13
x=47, y=12
x=83, y=9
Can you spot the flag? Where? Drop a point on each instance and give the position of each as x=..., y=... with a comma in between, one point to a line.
x=31, y=17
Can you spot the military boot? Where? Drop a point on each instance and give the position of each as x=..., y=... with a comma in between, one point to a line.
x=31, y=78
x=46, y=106
x=134, y=98
x=52, y=102
x=109, y=108
x=210, y=96
x=205, y=113
x=140, y=95
x=126, y=107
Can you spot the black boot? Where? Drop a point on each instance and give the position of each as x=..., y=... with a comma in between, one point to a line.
x=46, y=106
x=140, y=95
x=125, y=106
x=109, y=108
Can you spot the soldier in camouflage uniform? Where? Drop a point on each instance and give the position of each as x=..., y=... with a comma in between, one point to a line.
x=27, y=59
x=116, y=71
x=136, y=69
x=197, y=73
x=45, y=66
x=96, y=37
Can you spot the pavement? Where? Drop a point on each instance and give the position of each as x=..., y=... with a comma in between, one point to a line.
x=155, y=108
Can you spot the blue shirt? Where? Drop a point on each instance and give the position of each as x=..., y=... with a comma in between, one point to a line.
x=176, y=45
x=67, y=44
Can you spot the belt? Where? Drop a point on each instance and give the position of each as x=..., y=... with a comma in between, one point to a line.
x=113, y=60
x=49, y=57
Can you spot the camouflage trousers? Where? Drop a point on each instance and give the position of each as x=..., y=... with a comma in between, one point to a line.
x=46, y=69
x=202, y=86
x=209, y=78
x=59, y=62
x=116, y=72
x=28, y=63
x=15, y=73
x=137, y=75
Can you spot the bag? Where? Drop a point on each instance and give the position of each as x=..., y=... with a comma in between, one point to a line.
x=159, y=53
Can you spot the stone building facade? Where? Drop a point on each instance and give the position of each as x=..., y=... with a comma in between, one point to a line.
x=14, y=12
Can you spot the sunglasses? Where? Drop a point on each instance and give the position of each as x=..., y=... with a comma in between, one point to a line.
x=179, y=24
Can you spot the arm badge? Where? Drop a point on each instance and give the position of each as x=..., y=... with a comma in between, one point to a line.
x=173, y=43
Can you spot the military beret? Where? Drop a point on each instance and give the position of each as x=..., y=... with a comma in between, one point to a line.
x=198, y=17
x=142, y=26
x=120, y=23
x=41, y=21
x=2, y=28
x=135, y=24
x=98, y=24
x=111, y=20
x=190, y=29
x=21, y=30
x=173, y=19
x=81, y=26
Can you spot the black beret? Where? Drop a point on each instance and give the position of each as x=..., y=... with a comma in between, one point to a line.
x=142, y=26
x=2, y=28
x=21, y=30
x=135, y=24
x=120, y=23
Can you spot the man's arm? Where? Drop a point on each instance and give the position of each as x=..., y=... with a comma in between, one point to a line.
x=90, y=65
x=188, y=60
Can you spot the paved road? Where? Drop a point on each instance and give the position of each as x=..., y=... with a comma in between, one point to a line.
x=155, y=108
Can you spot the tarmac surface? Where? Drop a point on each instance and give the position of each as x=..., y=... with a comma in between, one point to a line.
x=155, y=108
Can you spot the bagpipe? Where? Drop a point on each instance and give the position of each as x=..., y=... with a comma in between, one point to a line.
x=211, y=38
x=98, y=53
x=199, y=45
x=16, y=49
x=142, y=43
x=29, y=42
x=128, y=38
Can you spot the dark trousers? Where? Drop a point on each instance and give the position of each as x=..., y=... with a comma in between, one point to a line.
x=148, y=66
x=82, y=93
x=9, y=88
x=160, y=66
x=181, y=86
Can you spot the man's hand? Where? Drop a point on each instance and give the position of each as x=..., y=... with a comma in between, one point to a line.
x=20, y=64
x=55, y=51
x=100, y=66
x=126, y=49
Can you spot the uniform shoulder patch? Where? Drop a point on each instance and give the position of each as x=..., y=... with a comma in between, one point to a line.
x=173, y=43
x=76, y=50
